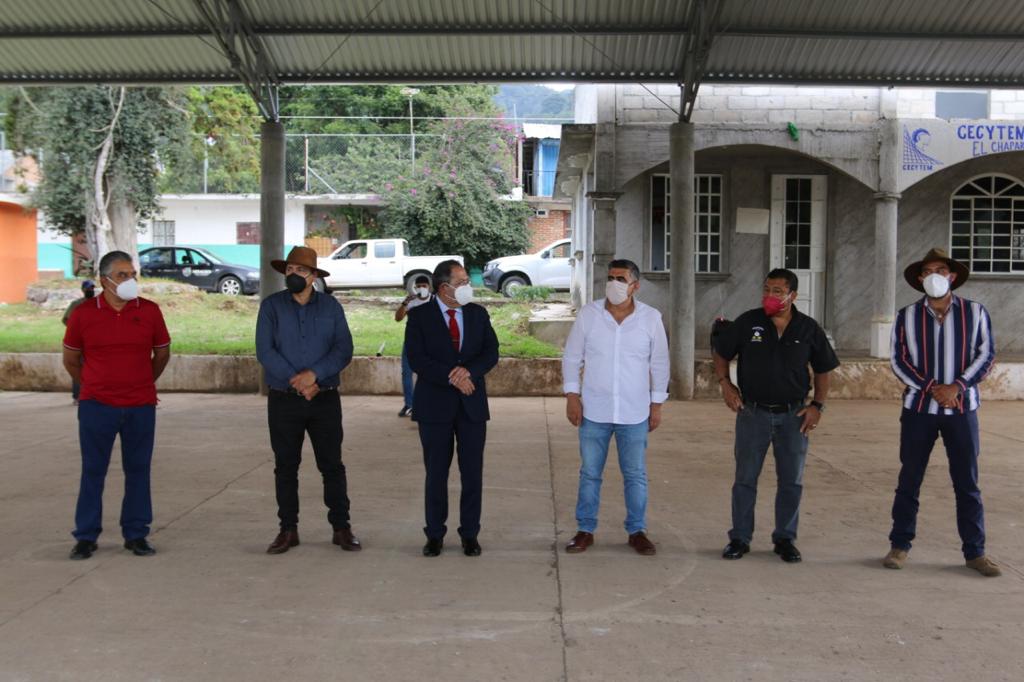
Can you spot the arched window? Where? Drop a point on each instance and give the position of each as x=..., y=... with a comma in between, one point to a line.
x=987, y=224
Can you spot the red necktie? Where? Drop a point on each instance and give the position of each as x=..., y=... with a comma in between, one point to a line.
x=453, y=329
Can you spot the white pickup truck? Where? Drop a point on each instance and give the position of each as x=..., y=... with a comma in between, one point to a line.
x=374, y=263
x=549, y=267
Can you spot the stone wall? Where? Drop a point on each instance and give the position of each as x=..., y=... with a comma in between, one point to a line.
x=240, y=374
x=854, y=380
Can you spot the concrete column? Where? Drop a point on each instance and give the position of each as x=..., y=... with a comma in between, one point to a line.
x=271, y=205
x=886, y=272
x=603, y=252
x=683, y=272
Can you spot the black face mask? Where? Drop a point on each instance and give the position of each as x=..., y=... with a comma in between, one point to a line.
x=295, y=282
x=89, y=293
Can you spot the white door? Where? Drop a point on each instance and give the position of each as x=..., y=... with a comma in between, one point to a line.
x=798, y=236
x=350, y=266
x=386, y=265
x=555, y=270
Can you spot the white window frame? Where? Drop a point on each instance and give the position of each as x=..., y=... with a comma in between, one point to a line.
x=697, y=231
x=162, y=239
x=1015, y=246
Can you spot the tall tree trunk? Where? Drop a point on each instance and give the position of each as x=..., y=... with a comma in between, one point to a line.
x=99, y=219
x=124, y=220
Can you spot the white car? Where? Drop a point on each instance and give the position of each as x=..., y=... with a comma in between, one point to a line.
x=549, y=267
x=376, y=263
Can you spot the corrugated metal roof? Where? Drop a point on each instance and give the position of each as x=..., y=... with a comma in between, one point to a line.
x=797, y=41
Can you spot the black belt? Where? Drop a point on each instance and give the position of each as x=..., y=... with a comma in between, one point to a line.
x=292, y=391
x=776, y=408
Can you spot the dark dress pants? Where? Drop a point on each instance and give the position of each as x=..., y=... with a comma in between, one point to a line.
x=441, y=440
x=291, y=417
x=98, y=426
x=918, y=433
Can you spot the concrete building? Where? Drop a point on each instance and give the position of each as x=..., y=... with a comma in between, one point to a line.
x=835, y=183
x=228, y=225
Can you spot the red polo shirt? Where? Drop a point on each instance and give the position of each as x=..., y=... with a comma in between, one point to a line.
x=117, y=350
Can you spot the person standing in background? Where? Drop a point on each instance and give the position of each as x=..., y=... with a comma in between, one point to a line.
x=420, y=295
x=88, y=291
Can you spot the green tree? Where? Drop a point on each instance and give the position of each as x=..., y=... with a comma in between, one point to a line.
x=101, y=149
x=224, y=124
x=457, y=201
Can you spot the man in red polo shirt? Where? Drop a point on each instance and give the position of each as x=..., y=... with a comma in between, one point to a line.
x=116, y=349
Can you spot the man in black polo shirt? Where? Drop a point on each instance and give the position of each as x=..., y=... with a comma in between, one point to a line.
x=775, y=343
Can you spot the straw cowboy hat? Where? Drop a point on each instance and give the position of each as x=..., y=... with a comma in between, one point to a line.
x=913, y=271
x=300, y=255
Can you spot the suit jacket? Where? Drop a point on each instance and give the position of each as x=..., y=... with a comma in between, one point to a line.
x=428, y=345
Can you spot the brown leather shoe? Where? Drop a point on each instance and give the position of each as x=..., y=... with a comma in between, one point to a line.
x=985, y=566
x=580, y=542
x=642, y=544
x=348, y=542
x=284, y=541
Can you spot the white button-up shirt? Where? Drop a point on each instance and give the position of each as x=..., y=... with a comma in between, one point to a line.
x=624, y=366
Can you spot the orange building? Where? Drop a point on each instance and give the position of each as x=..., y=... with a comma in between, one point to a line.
x=19, y=236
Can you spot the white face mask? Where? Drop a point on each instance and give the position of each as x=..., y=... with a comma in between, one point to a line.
x=464, y=294
x=616, y=292
x=936, y=285
x=422, y=292
x=127, y=290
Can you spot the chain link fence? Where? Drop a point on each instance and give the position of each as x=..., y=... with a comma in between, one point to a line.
x=324, y=163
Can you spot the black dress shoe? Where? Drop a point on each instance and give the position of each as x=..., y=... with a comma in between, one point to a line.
x=83, y=549
x=787, y=551
x=140, y=547
x=285, y=540
x=470, y=547
x=344, y=538
x=433, y=547
x=735, y=549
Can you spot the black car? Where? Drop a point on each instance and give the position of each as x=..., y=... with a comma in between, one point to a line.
x=200, y=268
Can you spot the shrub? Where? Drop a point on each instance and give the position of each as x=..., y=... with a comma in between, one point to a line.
x=532, y=294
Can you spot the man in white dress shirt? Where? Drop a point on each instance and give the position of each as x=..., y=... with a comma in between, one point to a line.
x=620, y=345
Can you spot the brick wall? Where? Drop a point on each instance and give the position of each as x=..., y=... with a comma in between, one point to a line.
x=543, y=231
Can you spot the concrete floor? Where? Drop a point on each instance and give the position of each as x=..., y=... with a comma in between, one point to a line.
x=211, y=605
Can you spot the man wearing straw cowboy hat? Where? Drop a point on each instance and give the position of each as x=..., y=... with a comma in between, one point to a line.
x=303, y=342
x=942, y=348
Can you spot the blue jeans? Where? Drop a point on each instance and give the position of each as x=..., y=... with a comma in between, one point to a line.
x=918, y=433
x=756, y=429
x=406, y=378
x=631, y=443
x=98, y=425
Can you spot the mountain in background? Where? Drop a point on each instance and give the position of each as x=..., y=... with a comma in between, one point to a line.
x=527, y=101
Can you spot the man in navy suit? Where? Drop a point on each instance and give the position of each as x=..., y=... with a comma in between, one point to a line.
x=451, y=346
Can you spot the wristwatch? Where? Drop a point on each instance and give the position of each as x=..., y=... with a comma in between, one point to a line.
x=818, y=405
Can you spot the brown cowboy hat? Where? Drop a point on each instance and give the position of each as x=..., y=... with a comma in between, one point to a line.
x=300, y=255
x=913, y=271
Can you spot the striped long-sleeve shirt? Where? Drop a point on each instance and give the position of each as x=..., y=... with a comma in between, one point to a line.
x=925, y=353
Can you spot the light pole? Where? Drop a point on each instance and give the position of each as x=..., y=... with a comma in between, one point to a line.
x=410, y=93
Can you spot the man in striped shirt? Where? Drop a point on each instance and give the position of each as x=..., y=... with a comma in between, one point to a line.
x=942, y=348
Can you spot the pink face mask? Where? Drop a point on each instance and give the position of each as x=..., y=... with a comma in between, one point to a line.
x=773, y=306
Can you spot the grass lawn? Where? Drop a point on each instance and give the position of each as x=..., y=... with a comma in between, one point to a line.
x=212, y=324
